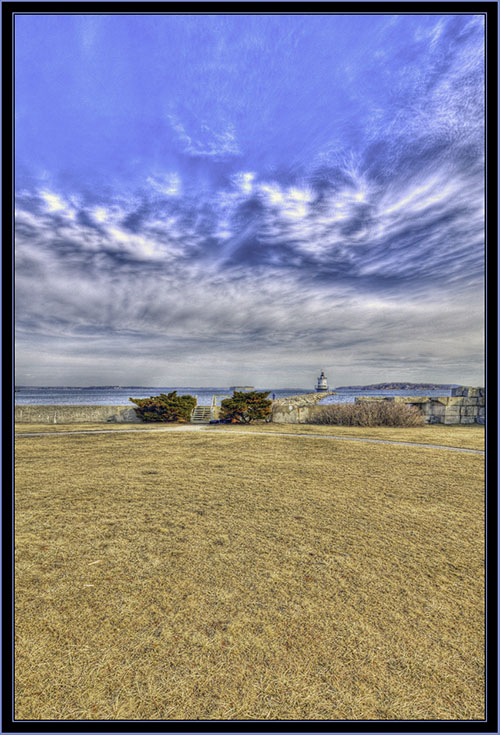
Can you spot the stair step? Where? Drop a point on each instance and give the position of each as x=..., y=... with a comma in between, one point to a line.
x=201, y=415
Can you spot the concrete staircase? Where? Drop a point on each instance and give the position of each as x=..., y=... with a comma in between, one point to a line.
x=201, y=415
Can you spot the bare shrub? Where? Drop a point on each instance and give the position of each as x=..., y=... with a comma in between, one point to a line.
x=370, y=413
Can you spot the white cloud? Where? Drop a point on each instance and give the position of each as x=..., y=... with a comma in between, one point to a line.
x=55, y=203
x=100, y=214
x=168, y=184
x=207, y=141
x=244, y=181
x=166, y=284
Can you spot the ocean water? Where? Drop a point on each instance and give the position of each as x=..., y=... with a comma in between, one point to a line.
x=109, y=396
x=348, y=396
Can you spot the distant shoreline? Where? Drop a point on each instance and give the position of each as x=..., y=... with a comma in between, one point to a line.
x=372, y=386
x=400, y=386
x=143, y=387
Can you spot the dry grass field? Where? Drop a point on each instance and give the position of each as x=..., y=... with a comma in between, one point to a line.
x=467, y=437
x=57, y=428
x=194, y=576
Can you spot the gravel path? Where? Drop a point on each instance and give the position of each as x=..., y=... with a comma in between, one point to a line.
x=201, y=427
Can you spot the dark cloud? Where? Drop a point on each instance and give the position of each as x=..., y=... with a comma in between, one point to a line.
x=136, y=219
x=84, y=219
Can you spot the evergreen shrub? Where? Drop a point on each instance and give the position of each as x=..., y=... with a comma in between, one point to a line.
x=165, y=407
x=242, y=408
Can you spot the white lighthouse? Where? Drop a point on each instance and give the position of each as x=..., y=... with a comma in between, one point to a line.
x=322, y=384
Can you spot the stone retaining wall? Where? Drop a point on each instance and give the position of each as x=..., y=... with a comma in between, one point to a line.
x=466, y=405
x=76, y=415
x=461, y=409
x=294, y=413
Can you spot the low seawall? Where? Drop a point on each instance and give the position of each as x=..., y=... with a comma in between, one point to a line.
x=466, y=405
x=76, y=415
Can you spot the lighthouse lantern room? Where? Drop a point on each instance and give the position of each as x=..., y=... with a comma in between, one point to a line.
x=322, y=384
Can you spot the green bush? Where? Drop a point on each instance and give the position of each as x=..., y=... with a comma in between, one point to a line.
x=370, y=413
x=243, y=407
x=165, y=407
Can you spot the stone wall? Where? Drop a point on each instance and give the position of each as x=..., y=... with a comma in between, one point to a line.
x=294, y=413
x=297, y=409
x=76, y=415
x=466, y=405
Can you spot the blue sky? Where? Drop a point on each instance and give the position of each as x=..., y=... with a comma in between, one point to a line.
x=208, y=200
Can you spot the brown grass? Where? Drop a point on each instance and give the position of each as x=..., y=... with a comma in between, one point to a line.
x=55, y=428
x=466, y=437
x=185, y=576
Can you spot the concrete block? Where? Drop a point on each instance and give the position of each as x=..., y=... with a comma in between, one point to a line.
x=455, y=400
x=409, y=399
x=434, y=409
x=293, y=414
x=467, y=420
x=468, y=391
x=469, y=410
x=433, y=419
x=481, y=420
x=474, y=401
x=481, y=411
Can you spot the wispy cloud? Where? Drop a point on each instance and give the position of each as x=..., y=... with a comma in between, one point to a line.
x=205, y=141
x=376, y=258
x=316, y=202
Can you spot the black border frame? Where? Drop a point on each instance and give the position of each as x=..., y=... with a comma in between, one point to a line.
x=490, y=10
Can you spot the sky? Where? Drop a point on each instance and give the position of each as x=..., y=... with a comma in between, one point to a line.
x=211, y=200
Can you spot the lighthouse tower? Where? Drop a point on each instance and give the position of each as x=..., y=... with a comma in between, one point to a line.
x=322, y=384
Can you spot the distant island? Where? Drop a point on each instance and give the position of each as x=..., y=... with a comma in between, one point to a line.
x=400, y=386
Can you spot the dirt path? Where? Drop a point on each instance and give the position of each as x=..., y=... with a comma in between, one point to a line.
x=190, y=427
